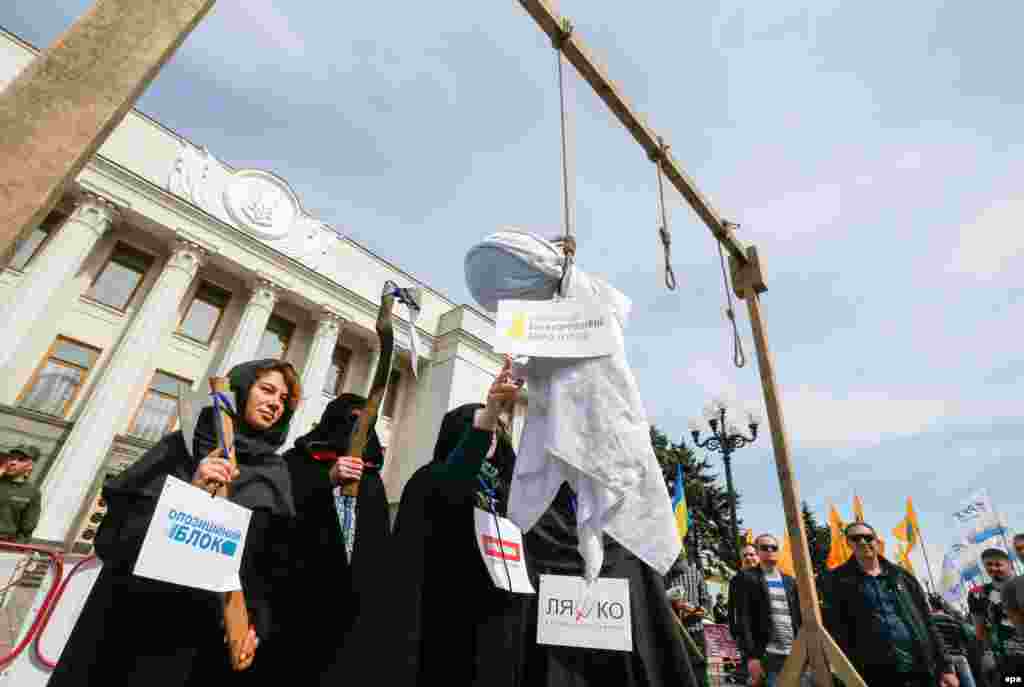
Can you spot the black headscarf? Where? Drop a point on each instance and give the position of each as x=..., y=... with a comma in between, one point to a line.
x=335, y=429
x=263, y=482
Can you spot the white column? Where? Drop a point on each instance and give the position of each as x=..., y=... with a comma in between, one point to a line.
x=60, y=259
x=85, y=449
x=247, y=336
x=373, y=358
x=314, y=373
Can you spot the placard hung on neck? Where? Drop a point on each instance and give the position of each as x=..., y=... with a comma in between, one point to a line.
x=571, y=328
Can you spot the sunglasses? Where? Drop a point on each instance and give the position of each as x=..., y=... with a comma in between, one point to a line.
x=768, y=547
x=858, y=538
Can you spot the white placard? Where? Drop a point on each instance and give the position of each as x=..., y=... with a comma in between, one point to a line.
x=592, y=616
x=556, y=329
x=501, y=546
x=194, y=540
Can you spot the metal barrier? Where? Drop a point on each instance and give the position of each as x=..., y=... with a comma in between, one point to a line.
x=27, y=573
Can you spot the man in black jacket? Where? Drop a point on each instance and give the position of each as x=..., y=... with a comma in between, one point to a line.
x=767, y=614
x=878, y=615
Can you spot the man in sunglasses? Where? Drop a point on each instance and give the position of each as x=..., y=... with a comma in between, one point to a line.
x=767, y=614
x=878, y=614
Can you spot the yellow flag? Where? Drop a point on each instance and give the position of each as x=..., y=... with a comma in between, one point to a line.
x=858, y=509
x=839, y=552
x=907, y=530
x=904, y=559
x=748, y=537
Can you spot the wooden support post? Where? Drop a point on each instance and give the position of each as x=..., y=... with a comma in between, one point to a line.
x=813, y=644
x=56, y=113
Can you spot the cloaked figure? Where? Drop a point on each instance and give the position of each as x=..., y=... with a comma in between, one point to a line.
x=440, y=619
x=139, y=631
x=325, y=589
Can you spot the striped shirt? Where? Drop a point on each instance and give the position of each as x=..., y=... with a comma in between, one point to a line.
x=782, y=623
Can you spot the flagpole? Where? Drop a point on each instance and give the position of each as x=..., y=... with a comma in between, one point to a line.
x=924, y=551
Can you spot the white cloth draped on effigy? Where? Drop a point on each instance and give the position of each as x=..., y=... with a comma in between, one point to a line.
x=586, y=424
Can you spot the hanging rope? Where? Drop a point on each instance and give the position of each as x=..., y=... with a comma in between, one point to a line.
x=663, y=232
x=739, y=358
x=568, y=243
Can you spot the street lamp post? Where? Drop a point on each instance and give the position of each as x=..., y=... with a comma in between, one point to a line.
x=726, y=437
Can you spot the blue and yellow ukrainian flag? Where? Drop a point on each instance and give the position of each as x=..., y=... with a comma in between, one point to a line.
x=679, y=504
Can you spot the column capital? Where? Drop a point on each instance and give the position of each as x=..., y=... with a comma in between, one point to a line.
x=264, y=292
x=329, y=323
x=186, y=256
x=95, y=212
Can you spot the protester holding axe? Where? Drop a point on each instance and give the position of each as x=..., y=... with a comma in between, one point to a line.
x=136, y=630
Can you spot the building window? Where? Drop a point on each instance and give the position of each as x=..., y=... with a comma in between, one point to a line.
x=120, y=277
x=392, y=394
x=276, y=338
x=204, y=312
x=60, y=377
x=158, y=413
x=29, y=247
x=335, y=382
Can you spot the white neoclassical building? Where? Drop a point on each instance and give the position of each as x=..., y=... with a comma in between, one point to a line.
x=163, y=264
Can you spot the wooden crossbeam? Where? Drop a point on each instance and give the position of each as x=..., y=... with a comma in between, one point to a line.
x=578, y=55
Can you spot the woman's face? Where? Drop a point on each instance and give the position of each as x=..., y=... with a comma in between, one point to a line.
x=267, y=400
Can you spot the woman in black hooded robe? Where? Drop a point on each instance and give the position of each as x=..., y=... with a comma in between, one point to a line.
x=443, y=621
x=134, y=630
x=311, y=628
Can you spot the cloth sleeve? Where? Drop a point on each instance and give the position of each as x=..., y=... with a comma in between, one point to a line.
x=833, y=613
x=259, y=571
x=744, y=609
x=457, y=476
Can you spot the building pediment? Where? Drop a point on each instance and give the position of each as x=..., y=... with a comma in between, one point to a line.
x=257, y=202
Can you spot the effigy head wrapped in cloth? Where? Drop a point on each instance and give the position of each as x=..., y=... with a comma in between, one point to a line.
x=585, y=425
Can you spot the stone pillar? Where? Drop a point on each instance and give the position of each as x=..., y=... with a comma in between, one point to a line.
x=246, y=339
x=61, y=108
x=314, y=373
x=371, y=369
x=61, y=258
x=87, y=445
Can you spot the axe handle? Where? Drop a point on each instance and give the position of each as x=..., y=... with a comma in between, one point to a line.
x=236, y=613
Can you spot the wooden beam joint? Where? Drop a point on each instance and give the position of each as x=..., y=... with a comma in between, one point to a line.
x=748, y=276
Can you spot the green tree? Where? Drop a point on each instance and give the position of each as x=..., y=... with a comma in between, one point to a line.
x=706, y=499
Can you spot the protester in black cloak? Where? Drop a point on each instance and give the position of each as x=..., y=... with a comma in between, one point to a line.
x=311, y=629
x=135, y=630
x=445, y=622
x=437, y=618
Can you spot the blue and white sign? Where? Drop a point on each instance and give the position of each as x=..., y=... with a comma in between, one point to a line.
x=194, y=540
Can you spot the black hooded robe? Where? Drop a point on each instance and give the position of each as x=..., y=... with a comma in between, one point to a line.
x=134, y=630
x=321, y=600
x=444, y=622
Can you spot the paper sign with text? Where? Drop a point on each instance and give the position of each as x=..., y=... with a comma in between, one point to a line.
x=194, y=540
x=501, y=546
x=591, y=616
x=556, y=329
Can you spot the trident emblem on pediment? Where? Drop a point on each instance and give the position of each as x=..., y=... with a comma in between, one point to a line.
x=261, y=206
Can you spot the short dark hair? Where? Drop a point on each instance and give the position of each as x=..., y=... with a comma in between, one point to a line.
x=1018, y=537
x=846, y=530
x=748, y=546
x=935, y=601
x=990, y=554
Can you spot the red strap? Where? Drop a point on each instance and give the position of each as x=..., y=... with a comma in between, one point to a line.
x=325, y=456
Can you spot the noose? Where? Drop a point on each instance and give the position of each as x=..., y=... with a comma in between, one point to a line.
x=663, y=232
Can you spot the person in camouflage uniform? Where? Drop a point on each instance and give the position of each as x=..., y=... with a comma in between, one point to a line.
x=19, y=498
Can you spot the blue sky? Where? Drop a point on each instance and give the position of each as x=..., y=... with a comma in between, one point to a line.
x=873, y=157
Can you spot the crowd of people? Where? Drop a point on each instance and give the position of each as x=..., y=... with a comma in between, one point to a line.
x=880, y=616
x=414, y=604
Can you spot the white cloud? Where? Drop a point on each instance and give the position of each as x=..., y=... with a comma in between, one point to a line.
x=991, y=241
